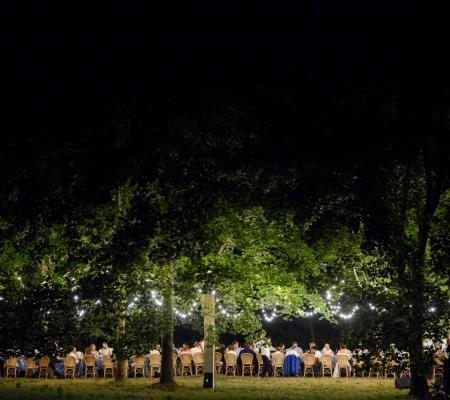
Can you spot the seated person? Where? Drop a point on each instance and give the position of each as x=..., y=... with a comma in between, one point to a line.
x=344, y=351
x=278, y=350
x=297, y=348
x=326, y=351
x=75, y=354
x=185, y=348
x=236, y=348
x=156, y=349
x=248, y=349
x=92, y=351
x=439, y=354
x=293, y=351
x=267, y=362
x=79, y=361
x=105, y=351
x=230, y=349
x=317, y=355
x=196, y=349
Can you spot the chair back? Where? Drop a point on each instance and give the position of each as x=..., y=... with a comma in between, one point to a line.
x=139, y=361
x=327, y=361
x=155, y=359
x=29, y=363
x=342, y=360
x=259, y=358
x=309, y=359
x=107, y=362
x=69, y=361
x=186, y=358
x=11, y=362
x=199, y=358
x=230, y=358
x=217, y=357
x=278, y=359
x=247, y=359
x=44, y=361
x=89, y=360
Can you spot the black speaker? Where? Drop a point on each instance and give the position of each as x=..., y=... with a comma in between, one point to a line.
x=403, y=382
x=208, y=380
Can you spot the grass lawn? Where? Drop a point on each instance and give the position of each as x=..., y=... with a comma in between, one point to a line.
x=190, y=388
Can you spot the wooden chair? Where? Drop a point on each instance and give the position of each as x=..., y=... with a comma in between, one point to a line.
x=230, y=363
x=199, y=362
x=11, y=367
x=217, y=361
x=30, y=366
x=308, y=367
x=108, y=367
x=186, y=363
x=343, y=363
x=389, y=369
x=138, y=367
x=175, y=358
x=247, y=364
x=438, y=368
x=43, y=366
x=358, y=365
x=69, y=367
x=260, y=362
x=375, y=366
x=327, y=365
x=278, y=361
x=89, y=366
x=155, y=363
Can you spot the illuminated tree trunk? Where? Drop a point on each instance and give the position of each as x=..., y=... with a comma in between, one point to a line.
x=167, y=370
x=122, y=363
x=209, y=336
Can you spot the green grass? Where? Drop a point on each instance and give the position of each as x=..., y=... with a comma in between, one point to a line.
x=227, y=388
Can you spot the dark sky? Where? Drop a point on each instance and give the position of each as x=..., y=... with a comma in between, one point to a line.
x=64, y=67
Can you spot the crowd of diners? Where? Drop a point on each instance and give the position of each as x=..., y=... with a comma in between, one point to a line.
x=265, y=360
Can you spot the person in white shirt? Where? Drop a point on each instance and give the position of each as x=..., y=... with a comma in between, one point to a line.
x=267, y=364
x=292, y=352
x=93, y=350
x=75, y=354
x=156, y=350
x=230, y=349
x=317, y=354
x=297, y=348
x=105, y=351
x=236, y=347
x=196, y=348
x=326, y=351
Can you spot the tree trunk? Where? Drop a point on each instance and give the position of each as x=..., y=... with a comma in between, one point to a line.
x=122, y=363
x=167, y=371
x=419, y=385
